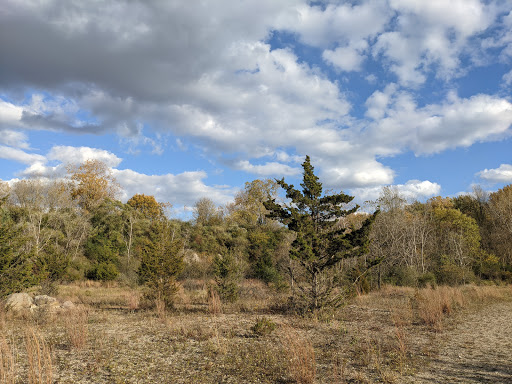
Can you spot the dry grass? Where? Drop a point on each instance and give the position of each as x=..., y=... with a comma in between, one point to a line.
x=434, y=304
x=77, y=327
x=132, y=300
x=7, y=362
x=300, y=355
x=39, y=358
x=375, y=338
x=214, y=303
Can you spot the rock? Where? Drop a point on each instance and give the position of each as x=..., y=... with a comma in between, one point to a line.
x=19, y=301
x=45, y=300
x=68, y=305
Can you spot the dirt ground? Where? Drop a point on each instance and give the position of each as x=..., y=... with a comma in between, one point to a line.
x=477, y=350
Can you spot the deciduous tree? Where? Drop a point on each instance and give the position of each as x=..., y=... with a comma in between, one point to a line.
x=92, y=182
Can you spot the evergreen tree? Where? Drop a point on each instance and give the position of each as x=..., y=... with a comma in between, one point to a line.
x=321, y=243
x=161, y=261
x=15, y=264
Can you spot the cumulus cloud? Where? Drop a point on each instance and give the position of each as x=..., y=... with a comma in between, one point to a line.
x=347, y=58
x=502, y=174
x=19, y=155
x=77, y=155
x=411, y=190
x=182, y=189
x=207, y=75
x=431, y=36
x=507, y=78
x=267, y=169
x=456, y=122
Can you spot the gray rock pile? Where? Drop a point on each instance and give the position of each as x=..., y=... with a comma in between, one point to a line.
x=18, y=302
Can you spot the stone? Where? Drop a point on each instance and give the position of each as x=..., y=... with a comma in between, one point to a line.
x=19, y=301
x=45, y=300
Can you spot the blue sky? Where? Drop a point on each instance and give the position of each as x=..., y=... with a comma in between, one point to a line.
x=185, y=100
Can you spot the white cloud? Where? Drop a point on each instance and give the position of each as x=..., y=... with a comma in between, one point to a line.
x=502, y=174
x=411, y=190
x=15, y=139
x=77, y=155
x=10, y=114
x=431, y=35
x=507, y=78
x=18, y=155
x=267, y=169
x=434, y=128
x=348, y=58
x=181, y=189
x=338, y=23
x=377, y=104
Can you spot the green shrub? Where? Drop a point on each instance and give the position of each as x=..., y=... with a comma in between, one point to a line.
x=227, y=277
x=427, y=279
x=403, y=276
x=263, y=326
x=103, y=271
x=452, y=274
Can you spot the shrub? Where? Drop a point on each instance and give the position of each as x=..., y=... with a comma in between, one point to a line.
x=427, y=279
x=105, y=271
x=264, y=326
x=227, y=277
x=77, y=330
x=403, y=276
x=161, y=263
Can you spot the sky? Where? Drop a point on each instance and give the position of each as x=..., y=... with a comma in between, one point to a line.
x=191, y=99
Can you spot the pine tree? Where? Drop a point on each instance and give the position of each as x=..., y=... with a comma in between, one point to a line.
x=321, y=243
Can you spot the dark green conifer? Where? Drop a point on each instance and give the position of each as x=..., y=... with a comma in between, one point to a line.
x=321, y=243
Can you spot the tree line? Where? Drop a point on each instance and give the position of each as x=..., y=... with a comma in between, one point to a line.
x=318, y=246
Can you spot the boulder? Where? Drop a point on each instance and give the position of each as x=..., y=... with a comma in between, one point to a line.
x=45, y=300
x=19, y=301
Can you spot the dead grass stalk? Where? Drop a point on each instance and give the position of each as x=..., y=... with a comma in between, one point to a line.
x=214, y=304
x=77, y=328
x=7, y=362
x=39, y=359
x=301, y=356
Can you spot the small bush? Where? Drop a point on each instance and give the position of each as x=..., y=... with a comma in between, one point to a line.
x=227, y=276
x=214, y=304
x=264, y=326
x=426, y=280
x=103, y=271
x=403, y=276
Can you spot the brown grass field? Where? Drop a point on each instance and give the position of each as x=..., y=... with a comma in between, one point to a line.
x=396, y=335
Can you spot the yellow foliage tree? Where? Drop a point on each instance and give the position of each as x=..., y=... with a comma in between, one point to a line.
x=92, y=182
x=147, y=206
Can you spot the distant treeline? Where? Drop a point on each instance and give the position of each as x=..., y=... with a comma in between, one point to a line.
x=75, y=228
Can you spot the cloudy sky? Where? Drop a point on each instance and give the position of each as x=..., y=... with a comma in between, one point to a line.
x=190, y=99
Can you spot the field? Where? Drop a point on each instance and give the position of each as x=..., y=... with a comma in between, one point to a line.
x=396, y=335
